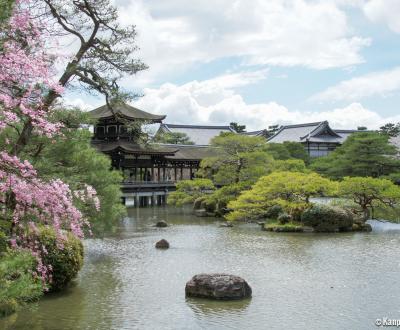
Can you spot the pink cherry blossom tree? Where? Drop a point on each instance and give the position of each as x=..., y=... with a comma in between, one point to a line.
x=26, y=72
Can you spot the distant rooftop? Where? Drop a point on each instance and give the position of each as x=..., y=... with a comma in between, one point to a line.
x=198, y=134
x=125, y=110
x=312, y=132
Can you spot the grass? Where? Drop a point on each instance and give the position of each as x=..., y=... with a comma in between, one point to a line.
x=287, y=227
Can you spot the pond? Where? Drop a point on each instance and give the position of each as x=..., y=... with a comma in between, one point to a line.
x=299, y=281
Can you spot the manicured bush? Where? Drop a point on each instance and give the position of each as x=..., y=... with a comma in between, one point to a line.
x=65, y=260
x=284, y=218
x=18, y=284
x=326, y=218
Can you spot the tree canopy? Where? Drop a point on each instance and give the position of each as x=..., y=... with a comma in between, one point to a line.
x=390, y=129
x=291, y=190
x=240, y=158
x=369, y=192
x=173, y=138
x=237, y=127
x=362, y=154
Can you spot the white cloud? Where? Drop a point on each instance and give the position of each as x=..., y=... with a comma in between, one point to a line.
x=384, y=11
x=174, y=34
x=216, y=102
x=381, y=83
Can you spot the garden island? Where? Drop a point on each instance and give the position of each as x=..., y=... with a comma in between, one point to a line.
x=301, y=211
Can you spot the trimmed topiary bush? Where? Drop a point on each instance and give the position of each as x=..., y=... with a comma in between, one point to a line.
x=326, y=218
x=284, y=218
x=66, y=261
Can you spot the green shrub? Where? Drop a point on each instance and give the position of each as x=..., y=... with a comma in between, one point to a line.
x=326, y=218
x=3, y=242
x=18, y=285
x=197, y=203
x=66, y=261
x=284, y=218
x=274, y=211
x=209, y=205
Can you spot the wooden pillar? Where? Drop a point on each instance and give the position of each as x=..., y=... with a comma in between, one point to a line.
x=152, y=172
x=158, y=172
x=181, y=172
x=191, y=172
x=175, y=172
x=140, y=175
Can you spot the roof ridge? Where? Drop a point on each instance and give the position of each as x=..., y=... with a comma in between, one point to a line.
x=304, y=125
x=195, y=126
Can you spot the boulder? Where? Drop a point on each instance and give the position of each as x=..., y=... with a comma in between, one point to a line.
x=200, y=213
x=162, y=244
x=218, y=286
x=161, y=224
x=226, y=224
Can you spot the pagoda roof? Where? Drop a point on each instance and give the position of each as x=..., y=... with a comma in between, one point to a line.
x=198, y=134
x=133, y=148
x=124, y=110
x=190, y=152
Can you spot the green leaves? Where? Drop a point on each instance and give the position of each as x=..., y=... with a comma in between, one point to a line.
x=362, y=154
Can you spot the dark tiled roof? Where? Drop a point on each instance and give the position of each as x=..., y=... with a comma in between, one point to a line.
x=198, y=134
x=130, y=147
x=190, y=152
x=125, y=110
x=312, y=132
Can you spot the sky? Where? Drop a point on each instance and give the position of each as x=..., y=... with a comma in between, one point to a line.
x=265, y=62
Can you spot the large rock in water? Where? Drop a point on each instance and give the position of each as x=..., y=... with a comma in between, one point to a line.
x=161, y=224
x=162, y=244
x=218, y=286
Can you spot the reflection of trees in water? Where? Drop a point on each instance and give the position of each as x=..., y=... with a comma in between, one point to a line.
x=86, y=304
x=208, y=307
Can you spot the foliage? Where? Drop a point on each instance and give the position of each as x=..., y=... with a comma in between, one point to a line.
x=65, y=260
x=71, y=158
x=287, y=150
x=187, y=191
x=291, y=190
x=326, y=218
x=222, y=196
x=240, y=158
x=273, y=212
x=362, y=154
x=26, y=92
x=369, y=192
x=6, y=7
x=284, y=218
x=18, y=284
x=173, y=138
x=3, y=242
x=291, y=165
x=390, y=129
x=238, y=128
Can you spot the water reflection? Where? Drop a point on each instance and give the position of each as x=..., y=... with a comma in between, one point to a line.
x=299, y=281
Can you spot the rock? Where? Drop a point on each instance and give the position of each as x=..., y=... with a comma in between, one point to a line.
x=162, y=244
x=161, y=224
x=218, y=286
x=200, y=213
x=226, y=224
x=366, y=227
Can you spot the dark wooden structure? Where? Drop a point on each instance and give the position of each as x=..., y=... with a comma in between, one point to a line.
x=149, y=171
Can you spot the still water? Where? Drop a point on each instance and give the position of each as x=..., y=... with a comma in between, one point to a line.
x=299, y=281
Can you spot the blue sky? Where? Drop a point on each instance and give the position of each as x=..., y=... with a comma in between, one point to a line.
x=263, y=62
